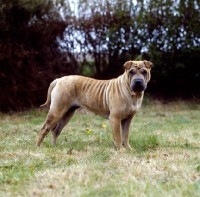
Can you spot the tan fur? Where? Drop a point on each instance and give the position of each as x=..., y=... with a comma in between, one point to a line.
x=52, y=85
x=116, y=99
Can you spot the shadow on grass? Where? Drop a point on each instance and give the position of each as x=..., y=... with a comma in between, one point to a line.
x=100, y=148
x=138, y=143
x=145, y=143
x=151, y=142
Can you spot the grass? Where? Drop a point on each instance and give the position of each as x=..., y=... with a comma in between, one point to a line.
x=165, y=160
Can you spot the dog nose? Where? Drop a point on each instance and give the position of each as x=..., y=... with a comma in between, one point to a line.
x=138, y=85
x=138, y=81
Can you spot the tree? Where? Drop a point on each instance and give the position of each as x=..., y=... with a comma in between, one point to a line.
x=173, y=45
x=29, y=51
x=43, y=40
x=105, y=34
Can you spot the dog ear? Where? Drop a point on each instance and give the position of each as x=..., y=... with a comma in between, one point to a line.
x=127, y=65
x=148, y=64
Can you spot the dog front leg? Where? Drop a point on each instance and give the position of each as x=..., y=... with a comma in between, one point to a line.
x=115, y=126
x=125, y=132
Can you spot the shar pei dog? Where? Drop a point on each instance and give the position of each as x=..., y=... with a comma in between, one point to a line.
x=117, y=100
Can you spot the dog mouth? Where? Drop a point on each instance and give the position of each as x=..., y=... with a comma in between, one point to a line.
x=138, y=85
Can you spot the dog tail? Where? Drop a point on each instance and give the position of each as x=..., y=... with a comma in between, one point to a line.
x=51, y=87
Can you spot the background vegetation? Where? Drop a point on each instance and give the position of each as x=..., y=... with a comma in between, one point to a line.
x=44, y=39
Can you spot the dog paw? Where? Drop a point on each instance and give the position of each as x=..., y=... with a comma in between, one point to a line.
x=127, y=147
x=118, y=146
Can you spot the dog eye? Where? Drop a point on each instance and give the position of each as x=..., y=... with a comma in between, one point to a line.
x=132, y=72
x=143, y=72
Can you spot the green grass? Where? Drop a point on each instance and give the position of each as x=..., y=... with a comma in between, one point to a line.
x=165, y=160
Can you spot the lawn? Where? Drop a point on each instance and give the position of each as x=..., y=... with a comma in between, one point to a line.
x=165, y=160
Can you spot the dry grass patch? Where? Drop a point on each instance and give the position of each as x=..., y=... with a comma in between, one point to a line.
x=165, y=160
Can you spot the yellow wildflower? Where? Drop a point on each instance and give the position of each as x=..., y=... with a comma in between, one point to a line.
x=104, y=125
x=88, y=131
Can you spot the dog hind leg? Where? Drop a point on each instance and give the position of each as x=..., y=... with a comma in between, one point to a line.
x=51, y=121
x=62, y=123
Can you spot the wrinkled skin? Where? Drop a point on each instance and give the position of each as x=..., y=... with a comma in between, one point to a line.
x=117, y=100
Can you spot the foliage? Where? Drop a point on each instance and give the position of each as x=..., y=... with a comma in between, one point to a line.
x=174, y=46
x=42, y=40
x=29, y=54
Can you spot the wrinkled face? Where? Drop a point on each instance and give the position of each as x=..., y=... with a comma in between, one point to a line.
x=138, y=73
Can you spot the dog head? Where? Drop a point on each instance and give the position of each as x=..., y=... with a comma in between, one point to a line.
x=138, y=73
